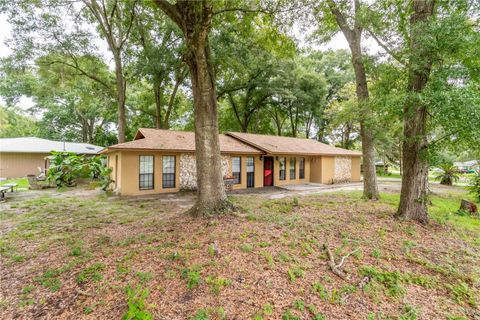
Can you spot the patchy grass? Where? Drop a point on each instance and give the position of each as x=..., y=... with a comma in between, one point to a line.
x=22, y=183
x=99, y=257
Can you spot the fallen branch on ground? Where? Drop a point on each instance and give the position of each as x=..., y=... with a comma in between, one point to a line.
x=83, y=293
x=216, y=249
x=337, y=268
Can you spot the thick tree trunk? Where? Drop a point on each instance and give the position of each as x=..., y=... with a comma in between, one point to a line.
x=211, y=192
x=293, y=120
x=171, y=102
x=400, y=157
x=354, y=38
x=194, y=19
x=370, y=189
x=414, y=194
x=84, y=131
x=413, y=197
x=121, y=87
x=91, y=126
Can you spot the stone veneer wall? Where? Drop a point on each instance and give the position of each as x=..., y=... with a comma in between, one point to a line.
x=188, y=170
x=343, y=169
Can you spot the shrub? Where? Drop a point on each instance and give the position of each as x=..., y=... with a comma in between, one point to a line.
x=474, y=186
x=462, y=293
x=448, y=175
x=193, y=277
x=66, y=167
x=295, y=273
x=320, y=290
x=136, y=305
x=91, y=273
x=217, y=283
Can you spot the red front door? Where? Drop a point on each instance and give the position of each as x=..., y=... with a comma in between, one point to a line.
x=267, y=171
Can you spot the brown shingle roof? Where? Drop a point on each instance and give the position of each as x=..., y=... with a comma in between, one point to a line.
x=288, y=145
x=169, y=140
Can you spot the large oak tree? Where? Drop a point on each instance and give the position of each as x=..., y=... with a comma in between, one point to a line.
x=352, y=28
x=194, y=18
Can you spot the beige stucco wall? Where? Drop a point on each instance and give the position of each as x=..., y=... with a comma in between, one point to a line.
x=322, y=169
x=17, y=165
x=258, y=171
x=317, y=169
x=127, y=182
x=287, y=181
x=329, y=170
x=356, y=175
x=114, y=159
x=128, y=172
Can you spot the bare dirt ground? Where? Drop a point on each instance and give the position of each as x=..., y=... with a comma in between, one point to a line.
x=82, y=255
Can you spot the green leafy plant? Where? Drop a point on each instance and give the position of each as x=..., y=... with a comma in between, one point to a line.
x=474, y=186
x=294, y=273
x=91, y=273
x=391, y=280
x=462, y=293
x=409, y=313
x=287, y=315
x=193, y=277
x=201, y=314
x=299, y=305
x=136, y=304
x=217, y=283
x=66, y=167
x=449, y=174
x=319, y=289
x=246, y=247
x=104, y=178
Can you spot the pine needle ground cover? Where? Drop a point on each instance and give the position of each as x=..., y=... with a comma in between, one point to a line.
x=96, y=257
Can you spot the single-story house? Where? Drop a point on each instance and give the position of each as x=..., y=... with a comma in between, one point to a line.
x=22, y=156
x=158, y=161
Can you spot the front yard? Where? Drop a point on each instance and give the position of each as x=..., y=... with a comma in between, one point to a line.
x=90, y=256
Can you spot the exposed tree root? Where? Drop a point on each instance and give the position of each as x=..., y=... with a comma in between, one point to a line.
x=334, y=267
x=208, y=210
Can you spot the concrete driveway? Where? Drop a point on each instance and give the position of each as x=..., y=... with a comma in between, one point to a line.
x=384, y=185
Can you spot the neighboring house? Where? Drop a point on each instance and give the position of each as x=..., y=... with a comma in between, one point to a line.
x=159, y=161
x=22, y=156
x=472, y=165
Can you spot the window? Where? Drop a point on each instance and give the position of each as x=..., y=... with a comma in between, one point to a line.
x=301, y=168
x=146, y=172
x=250, y=172
x=236, y=170
x=282, y=169
x=293, y=163
x=168, y=172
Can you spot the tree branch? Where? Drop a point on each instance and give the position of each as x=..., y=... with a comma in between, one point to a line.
x=387, y=50
x=342, y=22
x=171, y=11
x=132, y=18
x=83, y=72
